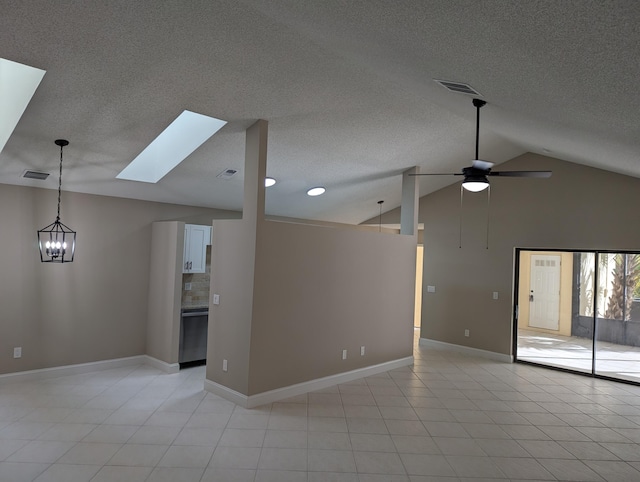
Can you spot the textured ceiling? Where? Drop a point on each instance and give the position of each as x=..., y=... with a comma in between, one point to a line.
x=347, y=88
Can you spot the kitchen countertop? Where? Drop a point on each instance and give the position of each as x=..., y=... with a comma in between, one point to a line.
x=191, y=307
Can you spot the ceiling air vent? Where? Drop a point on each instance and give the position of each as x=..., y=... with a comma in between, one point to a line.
x=40, y=176
x=458, y=87
x=227, y=174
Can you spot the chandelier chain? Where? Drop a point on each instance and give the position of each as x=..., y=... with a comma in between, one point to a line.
x=59, y=184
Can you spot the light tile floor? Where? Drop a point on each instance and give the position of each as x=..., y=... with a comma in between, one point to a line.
x=450, y=417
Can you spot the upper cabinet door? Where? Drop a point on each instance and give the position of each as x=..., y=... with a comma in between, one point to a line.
x=196, y=239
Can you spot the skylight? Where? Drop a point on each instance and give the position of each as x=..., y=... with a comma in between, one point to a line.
x=18, y=83
x=183, y=136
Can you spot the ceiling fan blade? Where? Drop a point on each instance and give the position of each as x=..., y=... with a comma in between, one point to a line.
x=483, y=165
x=437, y=174
x=539, y=174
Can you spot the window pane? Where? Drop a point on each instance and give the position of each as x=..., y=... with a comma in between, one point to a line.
x=618, y=324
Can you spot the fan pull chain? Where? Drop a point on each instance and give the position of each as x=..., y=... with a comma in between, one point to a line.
x=488, y=205
x=488, y=216
x=460, y=230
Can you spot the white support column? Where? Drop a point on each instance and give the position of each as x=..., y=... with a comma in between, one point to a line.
x=409, y=206
x=255, y=168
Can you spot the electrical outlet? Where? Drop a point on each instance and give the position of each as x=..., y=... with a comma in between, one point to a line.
x=362, y=350
x=495, y=295
x=224, y=365
x=216, y=299
x=187, y=286
x=17, y=352
x=344, y=354
x=466, y=332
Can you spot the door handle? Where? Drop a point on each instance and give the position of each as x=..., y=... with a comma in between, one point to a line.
x=531, y=296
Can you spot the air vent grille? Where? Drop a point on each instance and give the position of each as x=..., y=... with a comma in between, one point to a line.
x=227, y=174
x=458, y=87
x=40, y=176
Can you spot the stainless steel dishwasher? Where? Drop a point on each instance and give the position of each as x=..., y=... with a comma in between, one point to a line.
x=193, y=336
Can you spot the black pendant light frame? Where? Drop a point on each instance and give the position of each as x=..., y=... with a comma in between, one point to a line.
x=57, y=242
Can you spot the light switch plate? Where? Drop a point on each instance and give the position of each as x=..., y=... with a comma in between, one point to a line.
x=187, y=286
x=216, y=299
x=17, y=352
x=431, y=289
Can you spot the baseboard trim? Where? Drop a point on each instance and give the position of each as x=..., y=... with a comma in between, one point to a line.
x=161, y=365
x=271, y=396
x=63, y=371
x=441, y=345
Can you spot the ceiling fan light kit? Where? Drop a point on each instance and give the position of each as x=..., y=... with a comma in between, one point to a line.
x=475, y=185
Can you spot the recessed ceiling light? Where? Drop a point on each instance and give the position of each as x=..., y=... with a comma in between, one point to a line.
x=316, y=191
x=183, y=136
x=269, y=181
x=18, y=83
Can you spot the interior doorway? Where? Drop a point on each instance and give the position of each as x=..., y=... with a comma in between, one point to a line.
x=417, y=317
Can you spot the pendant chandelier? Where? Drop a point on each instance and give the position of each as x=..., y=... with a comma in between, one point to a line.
x=57, y=242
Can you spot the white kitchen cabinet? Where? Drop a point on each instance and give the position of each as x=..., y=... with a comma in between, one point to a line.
x=196, y=239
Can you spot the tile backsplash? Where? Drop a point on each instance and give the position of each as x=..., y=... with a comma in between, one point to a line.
x=198, y=296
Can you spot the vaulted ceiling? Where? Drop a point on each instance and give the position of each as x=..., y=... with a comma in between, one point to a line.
x=347, y=87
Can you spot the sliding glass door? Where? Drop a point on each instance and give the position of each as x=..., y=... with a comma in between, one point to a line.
x=617, y=351
x=550, y=329
x=580, y=311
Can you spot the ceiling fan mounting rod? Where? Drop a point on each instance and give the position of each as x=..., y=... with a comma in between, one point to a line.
x=478, y=103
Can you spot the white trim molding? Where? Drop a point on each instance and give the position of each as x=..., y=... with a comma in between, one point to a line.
x=67, y=370
x=161, y=365
x=271, y=396
x=441, y=345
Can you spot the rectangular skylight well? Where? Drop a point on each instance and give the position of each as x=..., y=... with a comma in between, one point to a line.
x=18, y=83
x=183, y=136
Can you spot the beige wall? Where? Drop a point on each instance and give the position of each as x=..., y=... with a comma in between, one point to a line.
x=286, y=313
x=321, y=290
x=577, y=208
x=232, y=273
x=163, y=309
x=94, y=308
x=566, y=291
